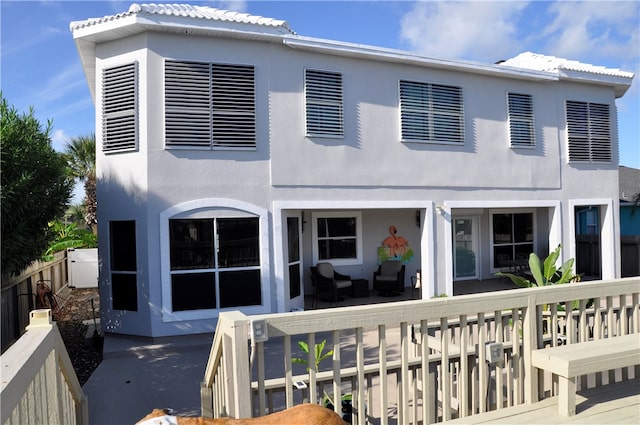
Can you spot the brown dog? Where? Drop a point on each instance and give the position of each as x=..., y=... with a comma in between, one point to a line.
x=302, y=414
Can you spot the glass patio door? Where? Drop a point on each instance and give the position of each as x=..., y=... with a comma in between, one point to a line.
x=465, y=246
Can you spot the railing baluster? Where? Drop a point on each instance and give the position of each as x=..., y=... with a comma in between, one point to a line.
x=262, y=406
x=337, y=374
x=288, y=374
x=463, y=381
x=482, y=365
x=360, y=406
x=382, y=359
x=313, y=384
x=444, y=369
x=428, y=402
x=403, y=403
x=499, y=366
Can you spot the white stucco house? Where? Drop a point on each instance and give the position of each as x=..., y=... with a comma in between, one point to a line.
x=233, y=154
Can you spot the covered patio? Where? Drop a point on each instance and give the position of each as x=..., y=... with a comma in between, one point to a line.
x=465, y=287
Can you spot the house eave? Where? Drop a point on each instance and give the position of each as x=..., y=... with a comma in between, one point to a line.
x=87, y=35
x=619, y=84
x=398, y=56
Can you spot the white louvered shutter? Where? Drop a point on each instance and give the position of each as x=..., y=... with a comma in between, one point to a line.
x=589, y=132
x=234, y=106
x=119, y=108
x=431, y=113
x=521, y=125
x=323, y=95
x=187, y=104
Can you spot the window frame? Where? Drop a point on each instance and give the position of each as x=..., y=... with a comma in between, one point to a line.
x=208, y=208
x=215, y=268
x=324, y=91
x=357, y=215
x=589, y=132
x=513, y=243
x=419, y=114
x=127, y=272
x=518, y=113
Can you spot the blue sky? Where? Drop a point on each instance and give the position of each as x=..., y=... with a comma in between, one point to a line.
x=40, y=66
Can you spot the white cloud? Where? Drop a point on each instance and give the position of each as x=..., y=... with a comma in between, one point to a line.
x=483, y=31
x=589, y=31
x=59, y=140
x=594, y=30
x=235, y=5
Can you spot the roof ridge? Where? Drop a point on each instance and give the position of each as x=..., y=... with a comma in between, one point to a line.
x=190, y=11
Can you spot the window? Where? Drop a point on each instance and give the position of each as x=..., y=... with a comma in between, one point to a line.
x=119, y=108
x=323, y=95
x=209, y=105
x=521, y=130
x=214, y=263
x=512, y=236
x=431, y=113
x=124, y=290
x=589, y=132
x=337, y=237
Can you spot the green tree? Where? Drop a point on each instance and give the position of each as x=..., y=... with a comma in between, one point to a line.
x=68, y=236
x=35, y=187
x=80, y=153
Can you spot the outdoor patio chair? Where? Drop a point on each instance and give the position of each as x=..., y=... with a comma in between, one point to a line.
x=327, y=283
x=389, y=278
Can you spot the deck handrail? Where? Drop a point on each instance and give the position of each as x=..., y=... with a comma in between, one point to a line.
x=440, y=372
x=39, y=384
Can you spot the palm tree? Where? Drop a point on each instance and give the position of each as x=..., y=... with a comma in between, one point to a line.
x=80, y=153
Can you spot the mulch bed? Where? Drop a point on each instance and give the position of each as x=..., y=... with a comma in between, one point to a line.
x=85, y=353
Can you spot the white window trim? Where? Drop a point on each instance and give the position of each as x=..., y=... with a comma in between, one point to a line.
x=337, y=214
x=165, y=258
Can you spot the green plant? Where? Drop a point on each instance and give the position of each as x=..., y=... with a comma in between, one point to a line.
x=68, y=236
x=35, y=187
x=320, y=354
x=545, y=273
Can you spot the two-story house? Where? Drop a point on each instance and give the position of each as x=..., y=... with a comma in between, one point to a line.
x=233, y=154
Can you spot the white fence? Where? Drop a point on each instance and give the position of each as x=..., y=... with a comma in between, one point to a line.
x=415, y=361
x=39, y=385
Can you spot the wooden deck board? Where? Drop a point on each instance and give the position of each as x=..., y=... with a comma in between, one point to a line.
x=618, y=403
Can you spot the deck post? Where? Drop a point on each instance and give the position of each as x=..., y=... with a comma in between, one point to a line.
x=236, y=350
x=529, y=343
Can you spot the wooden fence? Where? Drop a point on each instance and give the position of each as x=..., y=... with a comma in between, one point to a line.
x=414, y=361
x=39, y=385
x=19, y=294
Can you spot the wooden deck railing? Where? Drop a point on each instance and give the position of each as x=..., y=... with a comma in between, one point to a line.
x=39, y=385
x=415, y=361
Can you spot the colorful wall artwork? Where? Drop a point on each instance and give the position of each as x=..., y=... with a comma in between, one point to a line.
x=395, y=248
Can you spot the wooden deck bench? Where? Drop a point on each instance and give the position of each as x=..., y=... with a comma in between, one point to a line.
x=573, y=360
